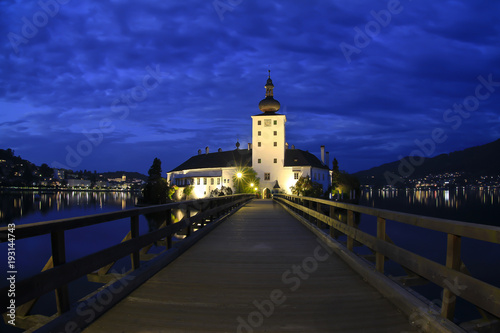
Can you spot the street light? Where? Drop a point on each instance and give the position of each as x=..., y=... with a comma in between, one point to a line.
x=239, y=175
x=251, y=185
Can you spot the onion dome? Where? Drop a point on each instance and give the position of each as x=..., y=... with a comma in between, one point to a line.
x=269, y=104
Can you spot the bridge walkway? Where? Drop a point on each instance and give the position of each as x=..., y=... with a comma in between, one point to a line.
x=260, y=270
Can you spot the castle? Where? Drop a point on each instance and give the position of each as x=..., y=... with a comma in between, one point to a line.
x=277, y=165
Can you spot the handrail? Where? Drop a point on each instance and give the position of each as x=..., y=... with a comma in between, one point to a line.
x=41, y=228
x=481, y=232
x=57, y=276
x=448, y=276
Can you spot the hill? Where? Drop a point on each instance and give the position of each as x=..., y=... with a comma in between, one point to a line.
x=472, y=162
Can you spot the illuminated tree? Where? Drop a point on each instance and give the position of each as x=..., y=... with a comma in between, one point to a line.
x=307, y=188
x=246, y=180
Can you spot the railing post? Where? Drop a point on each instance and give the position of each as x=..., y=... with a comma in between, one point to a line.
x=188, y=221
x=452, y=261
x=379, y=257
x=350, y=223
x=318, y=209
x=59, y=258
x=332, y=214
x=134, y=232
x=210, y=207
x=168, y=221
x=311, y=207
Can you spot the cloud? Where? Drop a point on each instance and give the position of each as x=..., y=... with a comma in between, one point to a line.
x=65, y=79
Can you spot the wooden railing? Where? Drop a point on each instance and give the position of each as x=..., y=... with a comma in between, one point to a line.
x=58, y=273
x=485, y=296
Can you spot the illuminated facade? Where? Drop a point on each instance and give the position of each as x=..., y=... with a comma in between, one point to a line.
x=278, y=166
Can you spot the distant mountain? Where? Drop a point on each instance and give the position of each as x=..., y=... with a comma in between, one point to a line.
x=474, y=162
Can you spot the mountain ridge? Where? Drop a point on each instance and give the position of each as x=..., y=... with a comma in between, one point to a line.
x=482, y=160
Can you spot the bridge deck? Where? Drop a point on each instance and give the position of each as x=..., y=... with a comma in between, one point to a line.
x=261, y=270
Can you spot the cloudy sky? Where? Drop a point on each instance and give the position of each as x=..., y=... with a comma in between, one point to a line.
x=110, y=85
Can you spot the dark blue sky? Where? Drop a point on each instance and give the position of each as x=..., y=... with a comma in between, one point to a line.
x=111, y=85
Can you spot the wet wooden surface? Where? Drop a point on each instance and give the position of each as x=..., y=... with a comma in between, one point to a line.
x=260, y=271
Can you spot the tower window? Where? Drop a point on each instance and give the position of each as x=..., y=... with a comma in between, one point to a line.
x=259, y=160
x=275, y=144
x=211, y=181
x=218, y=181
x=275, y=160
x=199, y=181
x=204, y=181
x=295, y=175
x=275, y=133
x=267, y=176
x=259, y=144
x=259, y=133
x=259, y=122
x=275, y=122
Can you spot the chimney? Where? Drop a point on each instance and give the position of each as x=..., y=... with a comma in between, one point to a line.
x=199, y=151
x=293, y=146
x=206, y=150
x=327, y=158
x=323, y=154
x=220, y=150
x=249, y=146
x=286, y=145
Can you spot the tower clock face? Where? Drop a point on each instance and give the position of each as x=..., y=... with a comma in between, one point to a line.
x=267, y=122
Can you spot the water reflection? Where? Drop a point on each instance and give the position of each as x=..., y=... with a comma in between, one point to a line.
x=472, y=204
x=16, y=205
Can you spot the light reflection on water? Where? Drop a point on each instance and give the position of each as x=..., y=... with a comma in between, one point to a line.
x=471, y=204
x=23, y=207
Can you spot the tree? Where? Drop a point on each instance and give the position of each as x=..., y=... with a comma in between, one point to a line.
x=46, y=171
x=157, y=190
x=343, y=182
x=187, y=191
x=335, y=174
x=307, y=188
x=247, y=182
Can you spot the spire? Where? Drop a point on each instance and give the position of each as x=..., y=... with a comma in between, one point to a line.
x=269, y=104
x=269, y=85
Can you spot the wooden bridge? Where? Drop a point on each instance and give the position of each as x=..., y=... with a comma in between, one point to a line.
x=264, y=265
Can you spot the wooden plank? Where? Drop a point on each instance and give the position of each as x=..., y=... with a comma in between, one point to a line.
x=318, y=209
x=134, y=233
x=379, y=257
x=58, y=259
x=350, y=236
x=332, y=214
x=453, y=261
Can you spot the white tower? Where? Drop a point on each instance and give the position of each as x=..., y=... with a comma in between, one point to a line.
x=268, y=140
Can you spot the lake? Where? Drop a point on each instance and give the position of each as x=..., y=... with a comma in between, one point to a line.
x=476, y=205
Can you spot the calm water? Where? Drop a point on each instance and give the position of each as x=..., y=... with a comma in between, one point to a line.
x=471, y=205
